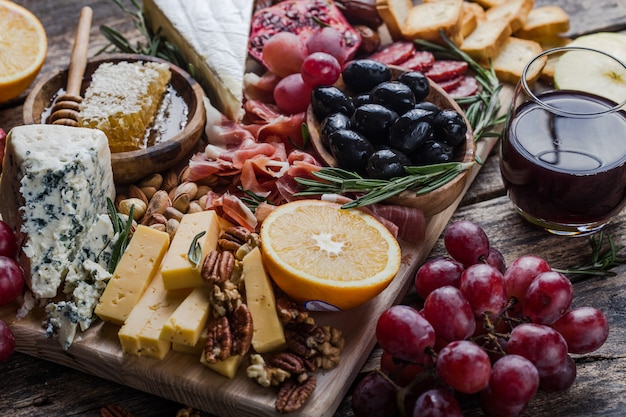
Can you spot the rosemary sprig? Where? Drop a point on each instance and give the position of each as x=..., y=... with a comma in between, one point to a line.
x=420, y=179
x=155, y=44
x=482, y=108
x=194, y=254
x=121, y=230
x=604, y=256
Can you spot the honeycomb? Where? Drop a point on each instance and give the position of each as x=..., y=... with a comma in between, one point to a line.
x=122, y=101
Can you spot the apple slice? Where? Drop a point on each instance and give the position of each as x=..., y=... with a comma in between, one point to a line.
x=602, y=76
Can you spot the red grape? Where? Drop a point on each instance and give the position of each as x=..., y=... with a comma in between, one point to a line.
x=466, y=242
x=464, y=366
x=284, y=53
x=374, y=396
x=561, y=379
x=405, y=333
x=7, y=342
x=483, y=286
x=496, y=259
x=11, y=280
x=547, y=298
x=320, y=68
x=436, y=273
x=542, y=345
x=292, y=94
x=450, y=314
x=402, y=372
x=584, y=329
x=329, y=40
x=437, y=403
x=8, y=242
x=493, y=406
x=521, y=272
x=514, y=379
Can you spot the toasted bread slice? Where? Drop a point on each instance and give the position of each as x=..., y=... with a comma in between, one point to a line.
x=485, y=41
x=544, y=22
x=513, y=56
x=425, y=20
x=393, y=13
x=469, y=19
x=476, y=9
x=549, y=43
x=513, y=11
x=490, y=3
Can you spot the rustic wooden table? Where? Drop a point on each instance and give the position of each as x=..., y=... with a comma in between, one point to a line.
x=33, y=387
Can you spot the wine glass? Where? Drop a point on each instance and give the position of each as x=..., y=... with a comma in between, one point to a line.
x=563, y=151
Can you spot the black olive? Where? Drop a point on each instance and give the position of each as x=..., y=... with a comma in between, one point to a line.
x=331, y=123
x=417, y=82
x=450, y=127
x=361, y=75
x=433, y=152
x=394, y=95
x=373, y=121
x=362, y=99
x=386, y=164
x=411, y=130
x=350, y=149
x=326, y=100
x=428, y=105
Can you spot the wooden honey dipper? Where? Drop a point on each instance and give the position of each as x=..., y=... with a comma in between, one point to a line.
x=65, y=109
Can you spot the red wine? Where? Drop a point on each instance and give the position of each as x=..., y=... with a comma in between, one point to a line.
x=566, y=170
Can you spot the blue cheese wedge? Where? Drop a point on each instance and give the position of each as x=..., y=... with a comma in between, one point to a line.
x=213, y=37
x=55, y=183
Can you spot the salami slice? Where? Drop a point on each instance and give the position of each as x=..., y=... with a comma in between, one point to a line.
x=394, y=53
x=467, y=87
x=443, y=70
x=420, y=61
x=452, y=83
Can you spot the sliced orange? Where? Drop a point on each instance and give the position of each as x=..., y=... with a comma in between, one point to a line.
x=23, y=47
x=327, y=257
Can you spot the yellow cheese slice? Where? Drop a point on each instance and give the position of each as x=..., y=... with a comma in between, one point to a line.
x=268, y=334
x=228, y=368
x=133, y=273
x=140, y=334
x=186, y=324
x=178, y=271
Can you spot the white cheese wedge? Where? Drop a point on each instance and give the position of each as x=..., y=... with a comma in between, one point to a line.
x=213, y=37
x=54, y=187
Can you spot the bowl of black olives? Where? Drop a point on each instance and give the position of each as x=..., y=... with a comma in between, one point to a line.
x=378, y=119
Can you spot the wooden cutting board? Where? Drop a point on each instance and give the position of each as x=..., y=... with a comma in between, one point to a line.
x=181, y=377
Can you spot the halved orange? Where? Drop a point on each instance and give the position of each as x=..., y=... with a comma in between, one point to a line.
x=328, y=257
x=23, y=48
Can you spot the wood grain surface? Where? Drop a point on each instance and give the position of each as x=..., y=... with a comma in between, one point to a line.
x=32, y=383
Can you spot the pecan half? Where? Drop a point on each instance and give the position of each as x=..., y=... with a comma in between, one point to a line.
x=241, y=329
x=291, y=363
x=217, y=267
x=219, y=341
x=303, y=339
x=293, y=394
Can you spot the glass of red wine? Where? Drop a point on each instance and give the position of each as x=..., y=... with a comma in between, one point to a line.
x=563, y=150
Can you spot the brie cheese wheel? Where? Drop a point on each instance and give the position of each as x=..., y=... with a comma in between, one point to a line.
x=212, y=36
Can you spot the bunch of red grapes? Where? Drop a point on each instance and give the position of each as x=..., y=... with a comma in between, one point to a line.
x=11, y=285
x=487, y=332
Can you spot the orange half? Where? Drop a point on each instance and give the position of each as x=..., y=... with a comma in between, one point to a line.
x=327, y=257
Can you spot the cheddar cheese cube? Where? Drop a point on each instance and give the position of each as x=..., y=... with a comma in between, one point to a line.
x=187, y=322
x=178, y=270
x=133, y=273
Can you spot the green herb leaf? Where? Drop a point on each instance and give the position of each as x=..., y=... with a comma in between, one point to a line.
x=604, y=256
x=121, y=230
x=194, y=254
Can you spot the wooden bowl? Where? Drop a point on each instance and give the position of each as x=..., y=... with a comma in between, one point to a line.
x=132, y=166
x=432, y=202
